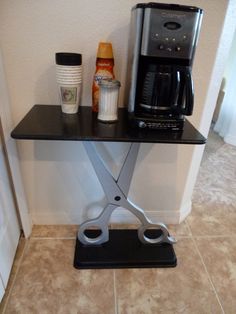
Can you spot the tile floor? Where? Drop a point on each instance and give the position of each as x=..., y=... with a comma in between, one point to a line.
x=43, y=279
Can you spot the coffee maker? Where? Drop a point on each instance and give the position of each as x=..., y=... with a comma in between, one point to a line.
x=162, y=44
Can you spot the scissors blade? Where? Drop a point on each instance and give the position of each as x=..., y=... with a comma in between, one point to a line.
x=126, y=173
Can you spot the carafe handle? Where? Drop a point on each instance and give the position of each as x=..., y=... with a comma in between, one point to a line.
x=189, y=93
x=175, y=88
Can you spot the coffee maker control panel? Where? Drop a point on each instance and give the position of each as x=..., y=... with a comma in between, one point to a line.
x=169, y=34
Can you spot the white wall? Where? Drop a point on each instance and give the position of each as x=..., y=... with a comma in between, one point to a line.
x=11, y=149
x=60, y=183
x=226, y=122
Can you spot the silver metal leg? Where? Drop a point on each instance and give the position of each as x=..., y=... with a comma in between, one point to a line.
x=116, y=192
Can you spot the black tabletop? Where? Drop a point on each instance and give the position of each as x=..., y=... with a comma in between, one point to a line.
x=47, y=122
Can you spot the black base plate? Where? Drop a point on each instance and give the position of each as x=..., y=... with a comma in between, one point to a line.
x=123, y=250
x=164, y=123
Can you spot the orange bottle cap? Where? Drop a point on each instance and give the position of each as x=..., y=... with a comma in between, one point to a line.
x=105, y=50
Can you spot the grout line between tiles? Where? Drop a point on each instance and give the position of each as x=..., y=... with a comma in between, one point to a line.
x=53, y=238
x=208, y=275
x=15, y=276
x=115, y=293
x=208, y=236
x=214, y=236
x=177, y=236
x=189, y=228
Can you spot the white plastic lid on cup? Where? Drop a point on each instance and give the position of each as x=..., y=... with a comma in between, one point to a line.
x=68, y=67
x=69, y=79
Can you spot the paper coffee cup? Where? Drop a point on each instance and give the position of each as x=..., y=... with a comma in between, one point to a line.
x=69, y=80
x=70, y=97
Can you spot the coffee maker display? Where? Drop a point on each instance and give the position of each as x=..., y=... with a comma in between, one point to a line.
x=162, y=44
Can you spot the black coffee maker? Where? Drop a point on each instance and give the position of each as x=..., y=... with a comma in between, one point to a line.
x=162, y=44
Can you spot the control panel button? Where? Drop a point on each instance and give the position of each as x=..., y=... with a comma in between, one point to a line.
x=142, y=124
x=172, y=25
x=169, y=49
x=161, y=47
x=177, y=48
x=155, y=36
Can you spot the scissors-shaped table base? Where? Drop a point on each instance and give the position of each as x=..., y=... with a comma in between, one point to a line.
x=37, y=125
x=149, y=246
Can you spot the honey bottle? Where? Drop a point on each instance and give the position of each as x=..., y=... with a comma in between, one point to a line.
x=104, y=70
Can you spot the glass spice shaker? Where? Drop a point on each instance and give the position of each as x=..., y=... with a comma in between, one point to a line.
x=108, y=100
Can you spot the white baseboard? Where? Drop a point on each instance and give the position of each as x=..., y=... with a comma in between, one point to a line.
x=119, y=216
x=185, y=211
x=166, y=217
x=230, y=139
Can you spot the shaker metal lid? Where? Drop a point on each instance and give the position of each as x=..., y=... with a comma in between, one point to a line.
x=68, y=58
x=109, y=83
